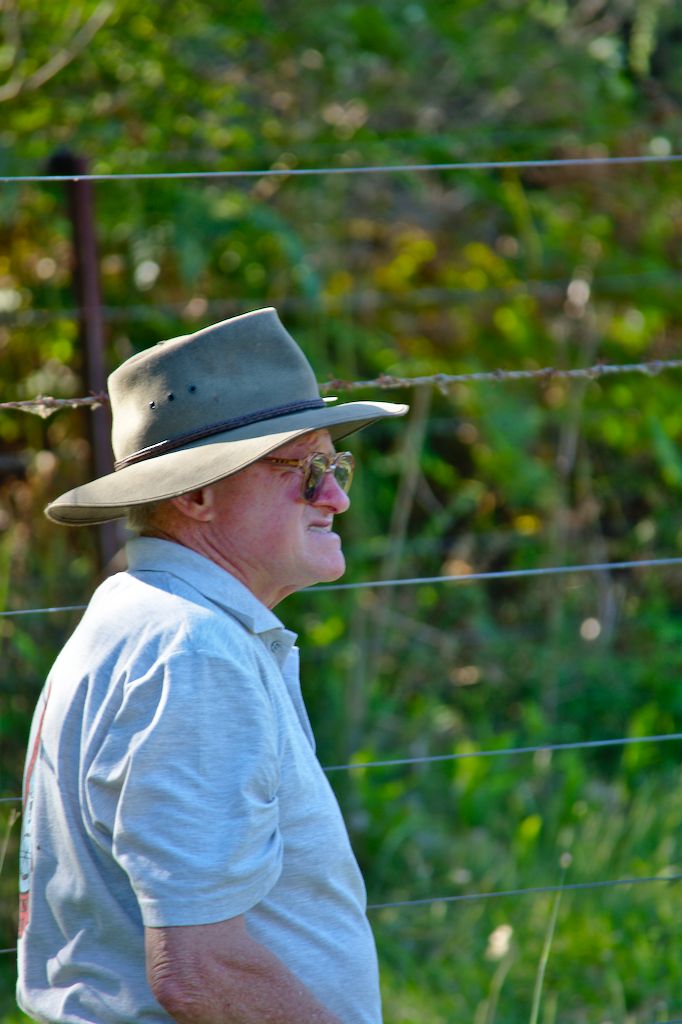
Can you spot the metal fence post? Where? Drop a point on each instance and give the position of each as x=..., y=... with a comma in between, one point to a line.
x=81, y=209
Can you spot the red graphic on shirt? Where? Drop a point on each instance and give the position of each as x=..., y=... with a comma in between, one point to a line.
x=25, y=860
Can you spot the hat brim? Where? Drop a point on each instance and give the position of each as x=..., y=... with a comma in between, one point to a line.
x=204, y=462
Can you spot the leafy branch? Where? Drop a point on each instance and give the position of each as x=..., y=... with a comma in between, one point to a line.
x=82, y=37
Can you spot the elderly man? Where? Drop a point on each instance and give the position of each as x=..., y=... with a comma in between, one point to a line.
x=183, y=857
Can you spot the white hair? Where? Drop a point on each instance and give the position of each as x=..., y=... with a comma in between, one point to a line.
x=142, y=519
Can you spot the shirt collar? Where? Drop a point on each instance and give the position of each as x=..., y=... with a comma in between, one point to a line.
x=150, y=554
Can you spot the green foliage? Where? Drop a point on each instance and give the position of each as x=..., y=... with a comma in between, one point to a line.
x=407, y=274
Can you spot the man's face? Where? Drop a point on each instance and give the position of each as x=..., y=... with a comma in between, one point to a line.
x=264, y=532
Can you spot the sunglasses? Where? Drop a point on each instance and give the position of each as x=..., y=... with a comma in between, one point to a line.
x=315, y=466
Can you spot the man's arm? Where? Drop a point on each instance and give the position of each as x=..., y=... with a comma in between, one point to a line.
x=217, y=974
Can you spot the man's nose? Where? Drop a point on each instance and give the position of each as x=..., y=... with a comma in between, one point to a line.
x=332, y=495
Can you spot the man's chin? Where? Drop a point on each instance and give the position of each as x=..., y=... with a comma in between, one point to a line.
x=332, y=572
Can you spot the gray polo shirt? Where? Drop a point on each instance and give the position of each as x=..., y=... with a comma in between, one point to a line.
x=171, y=779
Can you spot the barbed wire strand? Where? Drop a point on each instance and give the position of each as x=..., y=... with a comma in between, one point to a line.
x=45, y=405
x=547, y=373
x=300, y=172
x=498, y=574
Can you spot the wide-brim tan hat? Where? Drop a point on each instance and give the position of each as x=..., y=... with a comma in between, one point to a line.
x=192, y=410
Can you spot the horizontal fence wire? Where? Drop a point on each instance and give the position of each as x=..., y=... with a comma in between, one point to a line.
x=540, y=748
x=298, y=172
x=535, y=890
x=414, y=581
x=500, y=574
x=460, y=755
x=43, y=611
x=45, y=405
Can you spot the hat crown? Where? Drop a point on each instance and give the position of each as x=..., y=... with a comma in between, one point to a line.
x=234, y=370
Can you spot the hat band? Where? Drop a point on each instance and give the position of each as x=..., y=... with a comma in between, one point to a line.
x=173, y=443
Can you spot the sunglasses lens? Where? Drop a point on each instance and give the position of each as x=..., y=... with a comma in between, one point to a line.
x=343, y=471
x=318, y=465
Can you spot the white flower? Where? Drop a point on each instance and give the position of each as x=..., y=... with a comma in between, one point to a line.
x=499, y=942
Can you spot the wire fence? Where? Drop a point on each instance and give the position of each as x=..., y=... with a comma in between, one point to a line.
x=467, y=897
x=45, y=405
x=460, y=755
x=548, y=747
x=535, y=890
x=503, y=574
x=540, y=748
x=284, y=171
x=416, y=581
x=43, y=611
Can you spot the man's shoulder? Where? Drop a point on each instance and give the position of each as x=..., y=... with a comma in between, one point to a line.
x=164, y=605
x=132, y=635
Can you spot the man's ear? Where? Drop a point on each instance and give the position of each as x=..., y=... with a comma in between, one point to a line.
x=198, y=505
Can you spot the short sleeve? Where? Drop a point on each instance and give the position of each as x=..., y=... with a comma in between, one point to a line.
x=184, y=789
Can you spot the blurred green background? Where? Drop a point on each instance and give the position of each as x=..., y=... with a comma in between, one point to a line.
x=408, y=274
